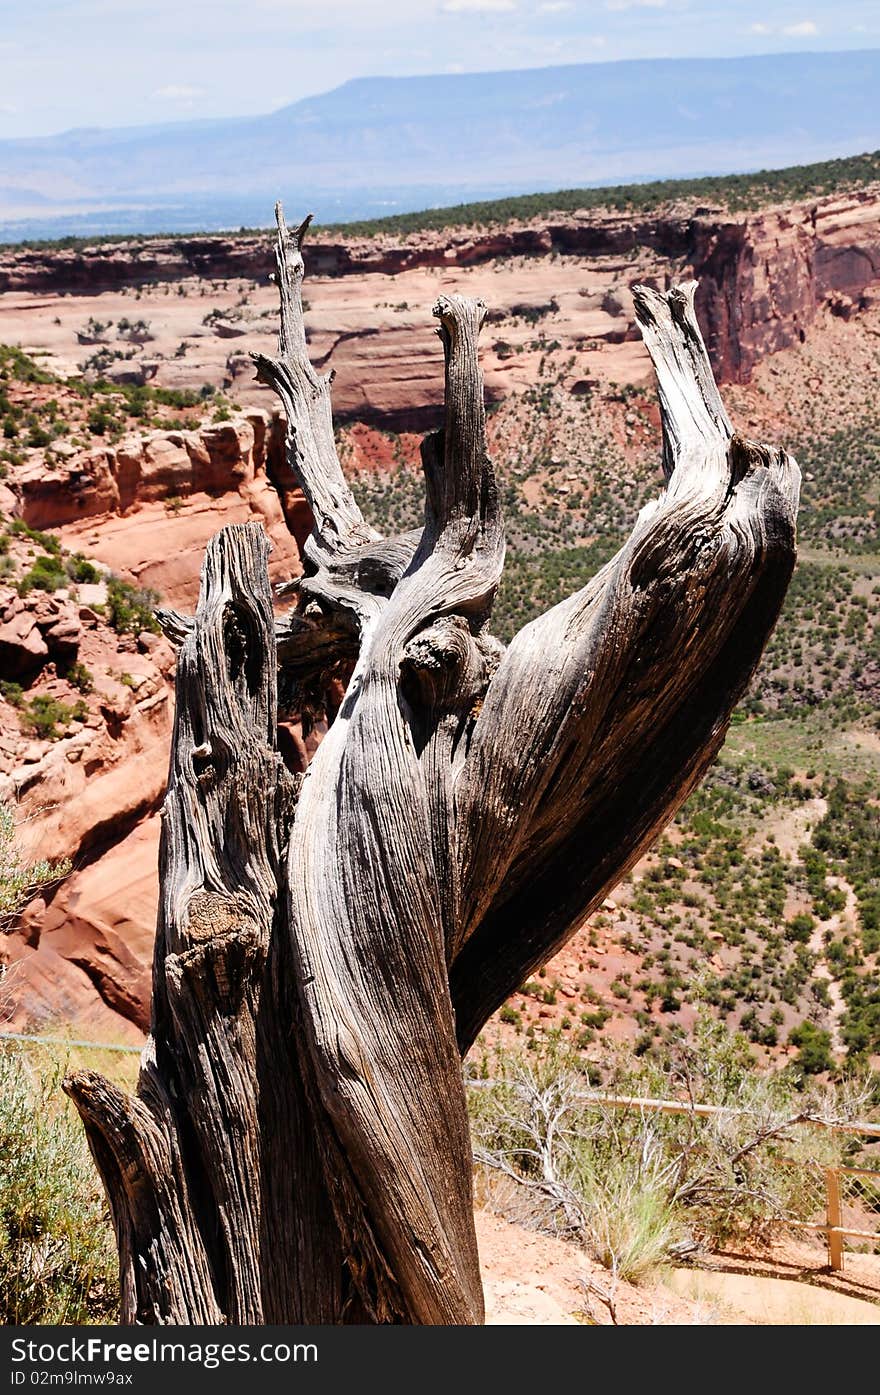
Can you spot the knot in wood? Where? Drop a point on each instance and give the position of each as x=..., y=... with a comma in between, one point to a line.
x=209, y=915
x=445, y=665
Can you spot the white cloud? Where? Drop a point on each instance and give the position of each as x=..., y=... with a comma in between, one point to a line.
x=555, y=7
x=635, y=4
x=460, y=7
x=175, y=92
x=806, y=29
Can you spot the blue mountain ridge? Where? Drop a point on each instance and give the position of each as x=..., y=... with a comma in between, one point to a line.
x=373, y=145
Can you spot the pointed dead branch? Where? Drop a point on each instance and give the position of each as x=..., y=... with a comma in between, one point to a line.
x=306, y=398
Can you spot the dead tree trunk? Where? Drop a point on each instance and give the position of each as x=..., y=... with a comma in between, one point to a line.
x=329, y=946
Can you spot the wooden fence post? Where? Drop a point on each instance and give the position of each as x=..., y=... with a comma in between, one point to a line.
x=833, y=1218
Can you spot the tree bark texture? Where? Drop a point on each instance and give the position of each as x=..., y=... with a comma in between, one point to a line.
x=330, y=945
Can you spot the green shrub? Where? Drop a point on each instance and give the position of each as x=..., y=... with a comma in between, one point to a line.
x=80, y=569
x=800, y=928
x=814, y=1048
x=100, y=420
x=78, y=676
x=57, y=1258
x=46, y=574
x=38, y=436
x=130, y=608
x=19, y=366
x=41, y=715
x=47, y=541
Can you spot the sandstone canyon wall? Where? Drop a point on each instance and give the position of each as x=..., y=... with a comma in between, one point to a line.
x=764, y=280
x=764, y=276
x=81, y=953
x=145, y=507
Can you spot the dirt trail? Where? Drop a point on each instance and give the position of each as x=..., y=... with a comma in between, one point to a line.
x=535, y=1280
x=771, y=1301
x=835, y=926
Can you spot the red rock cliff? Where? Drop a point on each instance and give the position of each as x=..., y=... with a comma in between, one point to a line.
x=764, y=276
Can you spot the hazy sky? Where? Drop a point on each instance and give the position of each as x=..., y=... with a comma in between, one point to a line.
x=67, y=63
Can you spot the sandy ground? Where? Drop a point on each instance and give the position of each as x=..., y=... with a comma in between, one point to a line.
x=770, y=1301
x=536, y=1280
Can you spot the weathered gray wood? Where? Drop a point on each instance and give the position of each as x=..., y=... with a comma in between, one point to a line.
x=330, y=945
x=306, y=397
x=218, y=1196
x=607, y=710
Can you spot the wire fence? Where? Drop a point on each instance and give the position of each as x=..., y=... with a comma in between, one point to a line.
x=845, y=1201
x=847, y=1210
x=69, y=1041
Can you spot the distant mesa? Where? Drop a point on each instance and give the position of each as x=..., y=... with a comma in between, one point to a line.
x=376, y=146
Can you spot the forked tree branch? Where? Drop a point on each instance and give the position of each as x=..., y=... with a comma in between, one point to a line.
x=606, y=711
x=328, y=947
x=371, y=938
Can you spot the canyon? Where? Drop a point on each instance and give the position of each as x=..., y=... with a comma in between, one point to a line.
x=779, y=288
x=764, y=277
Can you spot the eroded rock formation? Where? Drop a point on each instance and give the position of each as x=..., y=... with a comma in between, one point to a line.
x=89, y=790
x=764, y=276
x=147, y=506
x=764, y=279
